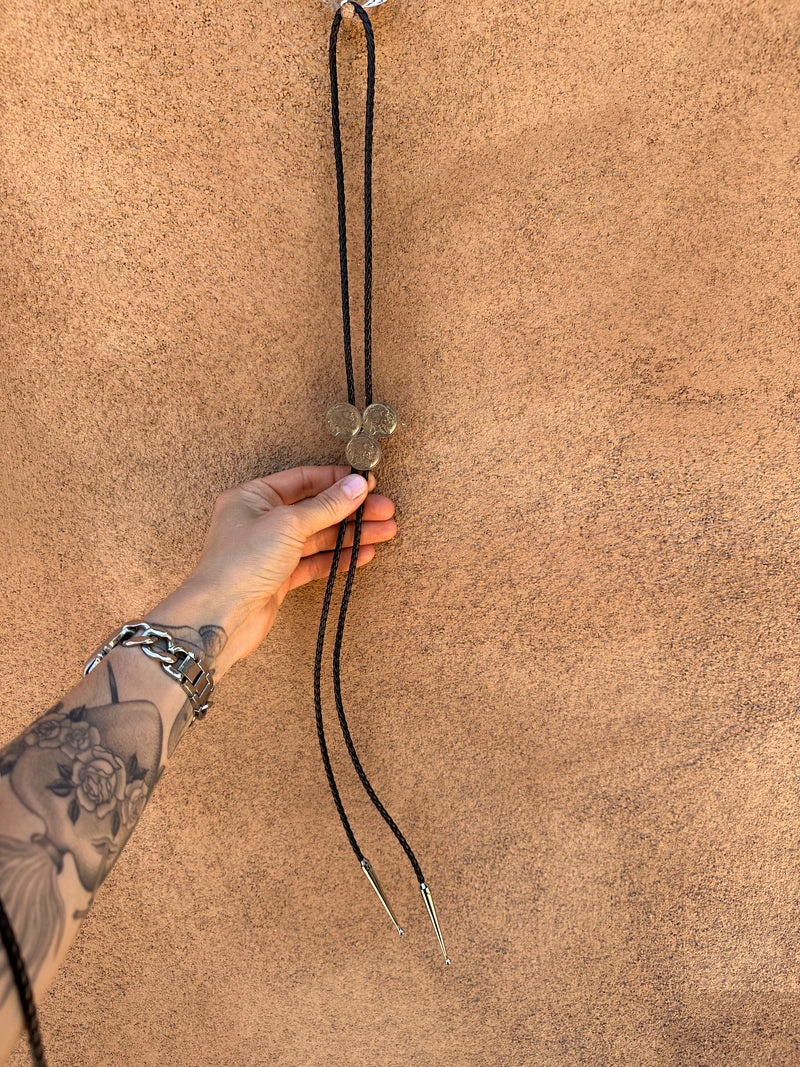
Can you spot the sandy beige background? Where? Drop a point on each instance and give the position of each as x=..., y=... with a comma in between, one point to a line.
x=573, y=676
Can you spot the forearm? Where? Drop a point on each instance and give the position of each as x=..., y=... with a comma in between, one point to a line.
x=73, y=785
x=75, y=782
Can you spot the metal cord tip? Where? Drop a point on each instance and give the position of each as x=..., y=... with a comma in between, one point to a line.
x=426, y=896
x=376, y=885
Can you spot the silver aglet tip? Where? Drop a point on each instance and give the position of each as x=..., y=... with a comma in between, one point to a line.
x=426, y=896
x=376, y=885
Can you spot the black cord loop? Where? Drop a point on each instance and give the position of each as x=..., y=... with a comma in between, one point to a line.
x=337, y=147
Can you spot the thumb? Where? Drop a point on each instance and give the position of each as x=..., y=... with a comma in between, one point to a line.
x=331, y=506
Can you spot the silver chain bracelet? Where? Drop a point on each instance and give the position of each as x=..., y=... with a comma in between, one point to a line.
x=180, y=663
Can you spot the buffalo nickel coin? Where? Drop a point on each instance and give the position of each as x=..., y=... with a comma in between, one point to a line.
x=362, y=452
x=343, y=420
x=380, y=420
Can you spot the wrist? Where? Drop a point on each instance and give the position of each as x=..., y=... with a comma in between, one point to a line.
x=202, y=620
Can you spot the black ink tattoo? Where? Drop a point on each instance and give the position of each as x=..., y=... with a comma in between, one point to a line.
x=207, y=642
x=87, y=774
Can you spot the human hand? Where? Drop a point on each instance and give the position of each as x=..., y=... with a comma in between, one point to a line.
x=267, y=537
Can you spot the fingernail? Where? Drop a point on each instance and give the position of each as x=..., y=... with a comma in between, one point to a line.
x=354, y=485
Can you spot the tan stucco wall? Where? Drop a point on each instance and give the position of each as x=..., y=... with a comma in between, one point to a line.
x=573, y=676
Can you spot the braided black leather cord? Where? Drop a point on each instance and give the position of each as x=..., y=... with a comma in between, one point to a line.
x=23, y=984
x=337, y=145
x=348, y=740
x=323, y=747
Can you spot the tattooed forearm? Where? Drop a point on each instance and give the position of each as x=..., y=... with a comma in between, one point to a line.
x=87, y=773
x=72, y=789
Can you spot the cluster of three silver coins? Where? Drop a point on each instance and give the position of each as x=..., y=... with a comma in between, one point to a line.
x=362, y=450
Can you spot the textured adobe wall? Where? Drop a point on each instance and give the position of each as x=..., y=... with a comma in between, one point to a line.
x=573, y=675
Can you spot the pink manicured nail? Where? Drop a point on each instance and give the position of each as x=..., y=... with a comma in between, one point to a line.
x=354, y=485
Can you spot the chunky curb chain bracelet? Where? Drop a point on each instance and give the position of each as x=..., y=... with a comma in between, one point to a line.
x=179, y=662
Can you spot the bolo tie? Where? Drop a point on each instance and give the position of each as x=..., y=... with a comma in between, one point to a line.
x=361, y=431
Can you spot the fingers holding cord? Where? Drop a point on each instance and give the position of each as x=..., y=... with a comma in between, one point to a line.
x=372, y=533
x=319, y=565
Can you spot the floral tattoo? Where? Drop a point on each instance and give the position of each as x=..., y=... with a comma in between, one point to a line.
x=87, y=774
x=95, y=779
